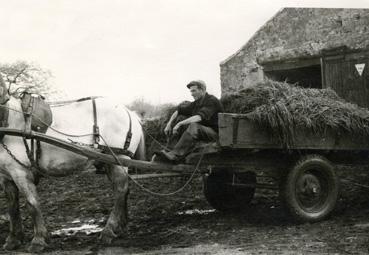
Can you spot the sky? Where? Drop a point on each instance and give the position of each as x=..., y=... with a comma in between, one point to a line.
x=131, y=49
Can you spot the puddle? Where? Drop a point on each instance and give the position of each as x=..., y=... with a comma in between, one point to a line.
x=196, y=211
x=362, y=225
x=89, y=227
x=213, y=249
x=4, y=217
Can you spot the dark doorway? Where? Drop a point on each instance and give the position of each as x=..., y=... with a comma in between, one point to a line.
x=307, y=77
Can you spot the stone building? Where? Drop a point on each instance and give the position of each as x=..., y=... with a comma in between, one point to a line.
x=316, y=47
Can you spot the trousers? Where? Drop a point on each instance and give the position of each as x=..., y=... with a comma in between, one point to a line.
x=195, y=132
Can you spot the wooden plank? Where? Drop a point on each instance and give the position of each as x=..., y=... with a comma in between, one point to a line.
x=253, y=136
x=290, y=64
x=265, y=163
x=341, y=75
x=152, y=176
x=322, y=66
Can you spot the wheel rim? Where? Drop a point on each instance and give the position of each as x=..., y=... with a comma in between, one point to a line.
x=312, y=190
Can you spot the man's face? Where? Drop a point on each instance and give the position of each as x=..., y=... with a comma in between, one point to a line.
x=196, y=93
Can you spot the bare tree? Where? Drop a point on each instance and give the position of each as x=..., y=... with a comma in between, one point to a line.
x=147, y=110
x=26, y=76
x=141, y=106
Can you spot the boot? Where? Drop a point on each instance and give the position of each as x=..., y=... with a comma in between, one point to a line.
x=181, y=149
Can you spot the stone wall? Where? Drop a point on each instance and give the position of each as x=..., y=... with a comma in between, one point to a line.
x=294, y=33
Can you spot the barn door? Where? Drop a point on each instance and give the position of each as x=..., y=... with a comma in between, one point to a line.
x=347, y=73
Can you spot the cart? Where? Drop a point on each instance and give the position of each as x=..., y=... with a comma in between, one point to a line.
x=247, y=158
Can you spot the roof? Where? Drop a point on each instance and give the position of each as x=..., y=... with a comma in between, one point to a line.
x=305, y=32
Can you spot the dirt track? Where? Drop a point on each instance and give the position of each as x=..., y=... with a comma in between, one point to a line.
x=162, y=225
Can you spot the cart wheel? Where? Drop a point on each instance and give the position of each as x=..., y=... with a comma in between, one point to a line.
x=221, y=195
x=310, y=189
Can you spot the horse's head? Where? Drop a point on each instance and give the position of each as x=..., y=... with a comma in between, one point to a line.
x=4, y=94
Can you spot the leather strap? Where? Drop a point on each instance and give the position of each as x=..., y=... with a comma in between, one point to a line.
x=127, y=142
x=34, y=157
x=28, y=117
x=129, y=133
x=105, y=149
x=96, y=130
x=57, y=103
x=4, y=115
x=119, y=151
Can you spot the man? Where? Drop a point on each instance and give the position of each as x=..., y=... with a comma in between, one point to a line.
x=201, y=121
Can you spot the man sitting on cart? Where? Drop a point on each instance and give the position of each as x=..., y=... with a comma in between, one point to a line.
x=201, y=122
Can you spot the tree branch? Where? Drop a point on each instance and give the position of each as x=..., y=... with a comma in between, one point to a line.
x=19, y=74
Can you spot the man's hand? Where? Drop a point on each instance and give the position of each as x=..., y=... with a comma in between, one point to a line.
x=167, y=130
x=176, y=128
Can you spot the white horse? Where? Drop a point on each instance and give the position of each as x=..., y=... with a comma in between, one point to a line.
x=75, y=118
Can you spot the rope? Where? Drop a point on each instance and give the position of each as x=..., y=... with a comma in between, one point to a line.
x=153, y=192
x=155, y=140
x=62, y=103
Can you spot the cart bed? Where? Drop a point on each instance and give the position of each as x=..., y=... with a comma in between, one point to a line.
x=236, y=131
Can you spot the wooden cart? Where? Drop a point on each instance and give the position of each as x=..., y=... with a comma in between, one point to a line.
x=246, y=157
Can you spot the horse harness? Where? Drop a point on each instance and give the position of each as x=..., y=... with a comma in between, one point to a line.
x=38, y=117
x=35, y=106
x=107, y=149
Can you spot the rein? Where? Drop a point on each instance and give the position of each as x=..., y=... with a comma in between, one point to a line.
x=62, y=103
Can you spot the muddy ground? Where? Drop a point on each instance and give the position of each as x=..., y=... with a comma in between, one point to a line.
x=185, y=223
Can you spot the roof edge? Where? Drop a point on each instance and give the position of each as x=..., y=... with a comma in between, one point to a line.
x=253, y=36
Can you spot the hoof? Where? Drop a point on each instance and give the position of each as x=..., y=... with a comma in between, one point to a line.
x=13, y=241
x=107, y=236
x=12, y=244
x=37, y=246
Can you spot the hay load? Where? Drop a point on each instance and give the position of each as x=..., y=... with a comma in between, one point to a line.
x=283, y=108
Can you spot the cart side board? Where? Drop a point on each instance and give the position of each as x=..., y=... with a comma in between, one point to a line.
x=238, y=132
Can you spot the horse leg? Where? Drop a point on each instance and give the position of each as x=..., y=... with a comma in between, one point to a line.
x=16, y=235
x=118, y=218
x=24, y=182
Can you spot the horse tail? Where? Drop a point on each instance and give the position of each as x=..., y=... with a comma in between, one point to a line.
x=140, y=153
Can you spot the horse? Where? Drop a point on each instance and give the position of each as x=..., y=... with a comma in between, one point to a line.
x=75, y=118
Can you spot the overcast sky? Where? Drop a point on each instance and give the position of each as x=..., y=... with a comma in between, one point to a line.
x=135, y=48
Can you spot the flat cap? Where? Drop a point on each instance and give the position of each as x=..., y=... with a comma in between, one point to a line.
x=199, y=83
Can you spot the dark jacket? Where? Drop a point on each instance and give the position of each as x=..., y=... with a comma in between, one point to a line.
x=207, y=107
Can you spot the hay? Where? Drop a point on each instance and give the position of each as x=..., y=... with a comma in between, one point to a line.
x=155, y=138
x=154, y=130
x=283, y=108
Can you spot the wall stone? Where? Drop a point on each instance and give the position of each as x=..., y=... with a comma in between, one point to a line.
x=294, y=33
